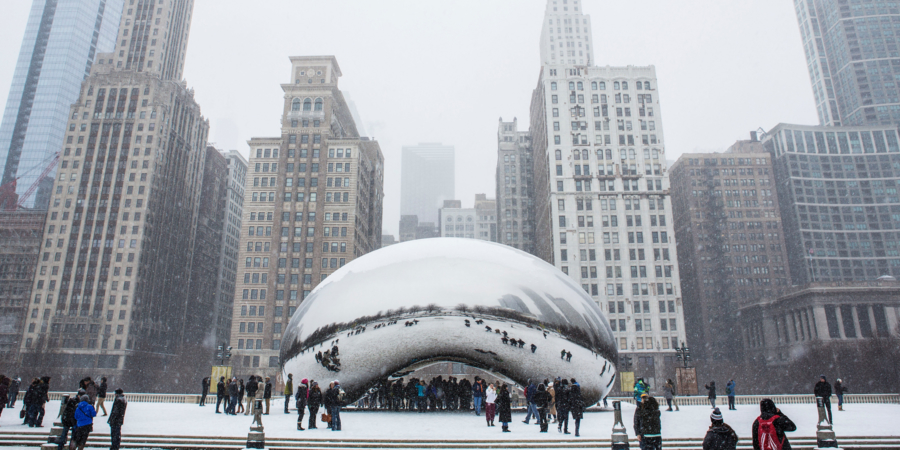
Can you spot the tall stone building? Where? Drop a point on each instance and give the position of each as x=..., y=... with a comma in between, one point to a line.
x=485, y=218
x=312, y=203
x=231, y=241
x=732, y=251
x=124, y=217
x=566, y=37
x=20, y=248
x=515, y=187
x=478, y=222
x=839, y=202
x=61, y=41
x=853, y=59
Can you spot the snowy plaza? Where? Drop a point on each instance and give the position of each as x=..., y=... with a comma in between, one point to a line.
x=186, y=420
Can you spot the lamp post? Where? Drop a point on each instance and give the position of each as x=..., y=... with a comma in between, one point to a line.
x=684, y=355
x=223, y=352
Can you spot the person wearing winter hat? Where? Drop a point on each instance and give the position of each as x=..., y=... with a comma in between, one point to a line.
x=302, y=398
x=770, y=426
x=839, y=390
x=647, y=426
x=312, y=403
x=720, y=436
x=823, y=389
x=117, y=419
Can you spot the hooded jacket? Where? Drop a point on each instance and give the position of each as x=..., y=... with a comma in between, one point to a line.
x=646, y=419
x=782, y=424
x=68, y=416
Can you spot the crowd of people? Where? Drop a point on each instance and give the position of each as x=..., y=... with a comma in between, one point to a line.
x=234, y=391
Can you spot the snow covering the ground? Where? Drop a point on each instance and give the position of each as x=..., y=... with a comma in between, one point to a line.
x=692, y=421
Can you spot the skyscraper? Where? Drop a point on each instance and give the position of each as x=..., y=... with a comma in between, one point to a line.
x=732, y=249
x=427, y=179
x=566, y=37
x=603, y=213
x=853, y=59
x=61, y=40
x=837, y=188
x=231, y=240
x=515, y=187
x=312, y=203
x=118, y=267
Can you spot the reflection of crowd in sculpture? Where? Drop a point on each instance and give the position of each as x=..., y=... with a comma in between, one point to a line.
x=506, y=339
x=330, y=359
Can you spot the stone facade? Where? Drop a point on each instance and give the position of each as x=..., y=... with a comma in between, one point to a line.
x=515, y=187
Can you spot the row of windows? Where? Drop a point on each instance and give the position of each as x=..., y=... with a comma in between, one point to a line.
x=644, y=325
x=307, y=104
x=613, y=254
x=636, y=271
x=601, y=85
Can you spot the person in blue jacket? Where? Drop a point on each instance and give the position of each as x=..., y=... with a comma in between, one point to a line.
x=730, y=390
x=84, y=422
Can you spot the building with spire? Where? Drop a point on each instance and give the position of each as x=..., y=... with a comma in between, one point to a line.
x=117, y=287
x=566, y=37
x=602, y=209
x=58, y=49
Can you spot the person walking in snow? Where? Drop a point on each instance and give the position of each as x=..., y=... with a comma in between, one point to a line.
x=234, y=397
x=562, y=406
x=504, y=408
x=204, y=391
x=288, y=392
x=542, y=401
x=14, y=391
x=839, y=390
x=117, y=419
x=711, y=388
x=302, y=399
x=720, y=436
x=240, y=397
x=4, y=392
x=84, y=422
x=770, y=426
x=669, y=394
x=267, y=394
x=221, y=393
x=312, y=403
x=490, y=399
x=478, y=394
x=647, y=426
x=68, y=418
x=576, y=405
x=823, y=389
x=730, y=391
x=529, y=401
x=101, y=395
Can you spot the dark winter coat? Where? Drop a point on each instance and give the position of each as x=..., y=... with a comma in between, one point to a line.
x=711, y=387
x=43, y=392
x=91, y=390
x=331, y=398
x=4, y=393
x=782, y=424
x=267, y=393
x=730, y=389
x=204, y=387
x=838, y=388
x=542, y=399
x=240, y=391
x=504, y=406
x=478, y=389
x=576, y=402
x=221, y=390
x=315, y=397
x=117, y=414
x=252, y=387
x=103, y=387
x=646, y=419
x=720, y=437
x=562, y=398
x=31, y=394
x=529, y=393
x=822, y=389
x=68, y=416
x=301, y=396
x=14, y=389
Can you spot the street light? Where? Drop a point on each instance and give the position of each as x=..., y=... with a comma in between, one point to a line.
x=625, y=360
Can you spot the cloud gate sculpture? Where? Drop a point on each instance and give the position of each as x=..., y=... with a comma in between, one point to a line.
x=483, y=304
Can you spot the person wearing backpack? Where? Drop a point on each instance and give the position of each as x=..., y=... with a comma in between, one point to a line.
x=720, y=436
x=68, y=418
x=770, y=426
x=84, y=423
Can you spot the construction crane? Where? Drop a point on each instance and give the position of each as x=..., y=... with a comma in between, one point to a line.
x=8, y=201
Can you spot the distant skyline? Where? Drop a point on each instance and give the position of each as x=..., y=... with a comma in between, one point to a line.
x=446, y=71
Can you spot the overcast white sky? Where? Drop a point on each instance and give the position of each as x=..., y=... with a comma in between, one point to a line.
x=446, y=71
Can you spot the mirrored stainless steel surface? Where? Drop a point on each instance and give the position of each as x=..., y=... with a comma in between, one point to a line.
x=483, y=304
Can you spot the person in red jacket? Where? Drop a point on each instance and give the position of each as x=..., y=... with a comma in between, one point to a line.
x=770, y=426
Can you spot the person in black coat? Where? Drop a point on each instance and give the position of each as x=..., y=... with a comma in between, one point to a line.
x=576, y=404
x=204, y=391
x=315, y=399
x=647, y=426
x=771, y=425
x=823, y=389
x=68, y=418
x=42, y=399
x=562, y=407
x=711, y=387
x=234, y=393
x=720, y=436
x=542, y=401
x=504, y=407
x=221, y=394
x=101, y=395
x=30, y=401
x=252, y=387
x=267, y=394
x=14, y=391
x=240, y=396
x=117, y=419
x=302, y=397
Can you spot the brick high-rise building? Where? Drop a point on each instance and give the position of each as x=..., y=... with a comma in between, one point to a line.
x=731, y=242
x=312, y=203
x=124, y=216
x=515, y=187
